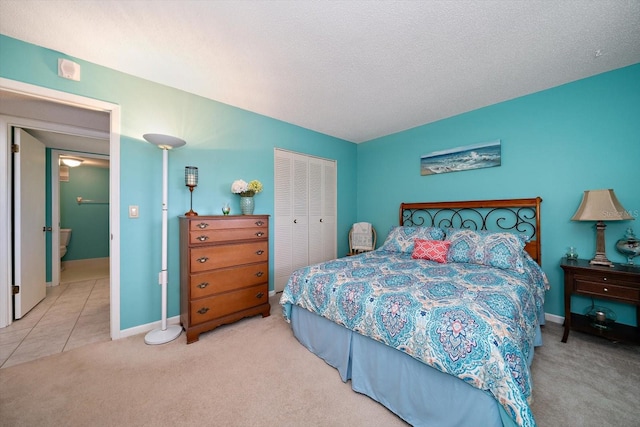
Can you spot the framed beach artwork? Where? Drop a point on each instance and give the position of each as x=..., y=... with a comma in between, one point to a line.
x=476, y=156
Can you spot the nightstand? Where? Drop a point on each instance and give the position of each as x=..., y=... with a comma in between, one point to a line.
x=618, y=283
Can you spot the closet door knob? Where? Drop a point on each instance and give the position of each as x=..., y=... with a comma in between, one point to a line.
x=320, y=219
x=295, y=221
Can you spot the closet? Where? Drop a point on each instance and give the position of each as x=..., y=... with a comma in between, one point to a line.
x=305, y=211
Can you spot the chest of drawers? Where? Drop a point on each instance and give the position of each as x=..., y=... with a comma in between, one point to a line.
x=224, y=271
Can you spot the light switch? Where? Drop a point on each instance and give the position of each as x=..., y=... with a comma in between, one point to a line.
x=133, y=211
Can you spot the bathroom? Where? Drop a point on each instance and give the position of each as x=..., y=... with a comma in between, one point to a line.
x=83, y=196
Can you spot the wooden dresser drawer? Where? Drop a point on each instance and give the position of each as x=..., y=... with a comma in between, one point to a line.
x=203, y=237
x=612, y=289
x=226, y=279
x=210, y=257
x=223, y=304
x=229, y=222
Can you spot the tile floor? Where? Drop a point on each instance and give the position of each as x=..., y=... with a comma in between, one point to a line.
x=72, y=314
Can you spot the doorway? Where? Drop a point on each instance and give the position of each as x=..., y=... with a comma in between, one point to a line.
x=50, y=106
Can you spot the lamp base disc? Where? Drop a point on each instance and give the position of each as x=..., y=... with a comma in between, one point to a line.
x=158, y=336
x=604, y=262
x=191, y=213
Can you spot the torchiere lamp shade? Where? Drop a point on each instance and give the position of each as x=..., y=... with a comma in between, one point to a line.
x=600, y=206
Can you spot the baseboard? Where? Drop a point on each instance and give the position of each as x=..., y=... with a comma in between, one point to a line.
x=553, y=318
x=136, y=330
x=272, y=293
x=86, y=261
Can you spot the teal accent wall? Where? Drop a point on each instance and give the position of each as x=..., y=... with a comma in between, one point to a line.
x=555, y=144
x=224, y=142
x=89, y=222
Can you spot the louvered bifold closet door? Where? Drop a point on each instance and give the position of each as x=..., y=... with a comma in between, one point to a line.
x=322, y=210
x=283, y=218
x=305, y=212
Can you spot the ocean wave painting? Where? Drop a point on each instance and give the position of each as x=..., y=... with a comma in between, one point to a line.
x=485, y=155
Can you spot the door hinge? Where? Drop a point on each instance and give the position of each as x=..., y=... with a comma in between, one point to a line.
x=15, y=290
x=15, y=148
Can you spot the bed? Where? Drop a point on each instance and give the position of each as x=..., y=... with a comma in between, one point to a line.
x=439, y=324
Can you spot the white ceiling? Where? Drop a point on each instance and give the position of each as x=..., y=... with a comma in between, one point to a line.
x=356, y=70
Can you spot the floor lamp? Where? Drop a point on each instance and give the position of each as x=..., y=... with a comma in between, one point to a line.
x=164, y=334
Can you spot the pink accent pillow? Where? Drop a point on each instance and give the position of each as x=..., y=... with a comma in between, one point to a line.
x=434, y=250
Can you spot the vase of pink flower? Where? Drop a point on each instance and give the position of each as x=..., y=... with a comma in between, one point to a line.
x=246, y=190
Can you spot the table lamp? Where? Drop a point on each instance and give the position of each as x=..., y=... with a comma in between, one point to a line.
x=600, y=206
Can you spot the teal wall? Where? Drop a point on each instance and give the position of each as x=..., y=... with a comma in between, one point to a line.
x=224, y=142
x=89, y=222
x=555, y=144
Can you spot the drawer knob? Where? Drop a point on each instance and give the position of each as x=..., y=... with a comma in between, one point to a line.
x=259, y=223
x=203, y=285
x=203, y=238
x=202, y=225
x=259, y=273
x=259, y=234
x=203, y=310
x=260, y=252
x=606, y=290
x=604, y=279
x=203, y=259
x=259, y=295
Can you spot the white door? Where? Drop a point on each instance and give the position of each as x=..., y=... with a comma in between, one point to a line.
x=29, y=222
x=322, y=210
x=283, y=219
x=291, y=215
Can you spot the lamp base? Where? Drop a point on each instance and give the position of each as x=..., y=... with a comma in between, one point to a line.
x=601, y=259
x=158, y=336
x=191, y=213
x=601, y=254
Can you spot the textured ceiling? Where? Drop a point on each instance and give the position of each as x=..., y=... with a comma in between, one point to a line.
x=356, y=70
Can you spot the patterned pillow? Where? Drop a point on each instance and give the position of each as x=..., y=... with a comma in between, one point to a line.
x=400, y=239
x=500, y=250
x=433, y=250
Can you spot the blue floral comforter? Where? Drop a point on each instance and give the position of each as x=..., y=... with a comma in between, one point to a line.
x=475, y=322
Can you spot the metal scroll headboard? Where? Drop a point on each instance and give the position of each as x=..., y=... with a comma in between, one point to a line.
x=519, y=216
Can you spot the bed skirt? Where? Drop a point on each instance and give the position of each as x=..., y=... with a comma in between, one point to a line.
x=417, y=393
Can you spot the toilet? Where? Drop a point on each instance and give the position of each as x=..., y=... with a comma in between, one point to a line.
x=65, y=236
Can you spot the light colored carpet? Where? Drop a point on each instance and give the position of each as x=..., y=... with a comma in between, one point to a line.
x=255, y=373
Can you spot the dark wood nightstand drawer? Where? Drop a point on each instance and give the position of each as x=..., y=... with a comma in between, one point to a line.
x=611, y=290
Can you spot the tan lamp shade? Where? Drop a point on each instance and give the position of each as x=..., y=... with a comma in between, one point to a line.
x=600, y=206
